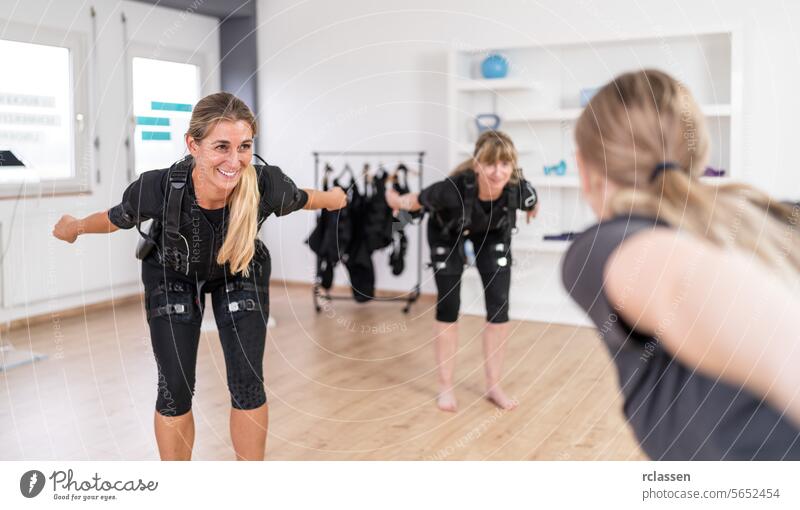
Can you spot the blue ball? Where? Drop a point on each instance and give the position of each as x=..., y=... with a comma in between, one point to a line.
x=494, y=66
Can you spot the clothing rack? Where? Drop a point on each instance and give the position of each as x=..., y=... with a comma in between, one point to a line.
x=412, y=296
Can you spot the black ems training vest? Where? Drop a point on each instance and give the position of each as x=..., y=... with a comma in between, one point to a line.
x=183, y=238
x=458, y=222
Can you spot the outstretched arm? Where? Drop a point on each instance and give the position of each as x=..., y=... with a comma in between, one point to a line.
x=69, y=228
x=331, y=200
x=717, y=310
x=406, y=202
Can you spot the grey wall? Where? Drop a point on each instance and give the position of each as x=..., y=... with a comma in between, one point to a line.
x=239, y=59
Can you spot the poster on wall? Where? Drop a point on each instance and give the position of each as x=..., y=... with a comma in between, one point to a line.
x=36, y=130
x=164, y=94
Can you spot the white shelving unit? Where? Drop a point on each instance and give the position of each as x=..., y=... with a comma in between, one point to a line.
x=547, y=116
x=570, y=114
x=477, y=85
x=466, y=149
x=538, y=104
x=560, y=181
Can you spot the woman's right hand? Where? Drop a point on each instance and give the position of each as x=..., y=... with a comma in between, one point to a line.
x=393, y=200
x=337, y=199
x=66, y=229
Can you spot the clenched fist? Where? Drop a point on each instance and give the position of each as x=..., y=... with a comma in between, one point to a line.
x=337, y=199
x=66, y=229
x=529, y=215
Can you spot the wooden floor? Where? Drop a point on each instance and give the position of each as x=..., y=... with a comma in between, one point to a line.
x=354, y=382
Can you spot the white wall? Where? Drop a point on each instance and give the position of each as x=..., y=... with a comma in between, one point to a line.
x=362, y=74
x=39, y=273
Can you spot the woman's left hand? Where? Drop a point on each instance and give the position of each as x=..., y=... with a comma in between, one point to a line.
x=532, y=213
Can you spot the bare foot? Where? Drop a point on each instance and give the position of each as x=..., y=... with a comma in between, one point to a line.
x=447, y=401
x=500, y=399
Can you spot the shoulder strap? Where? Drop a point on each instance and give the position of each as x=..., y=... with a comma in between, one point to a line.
x=178, y=175
x=512, y=204
x=260, y=159
x=469, y=200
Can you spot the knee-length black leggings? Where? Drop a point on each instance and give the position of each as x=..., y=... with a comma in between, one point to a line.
x=493, y=261
x=175, y=312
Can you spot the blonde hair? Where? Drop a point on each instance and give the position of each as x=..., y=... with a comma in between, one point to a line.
x=238, y=247
x=491, y=147
x=644, y=119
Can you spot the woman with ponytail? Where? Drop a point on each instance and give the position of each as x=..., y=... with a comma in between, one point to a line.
x=692, y=286
x=207, y=210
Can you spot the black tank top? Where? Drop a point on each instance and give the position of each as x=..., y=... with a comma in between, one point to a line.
x=215, y=216
x=675, y=412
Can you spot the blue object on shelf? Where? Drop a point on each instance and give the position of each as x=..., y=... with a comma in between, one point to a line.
x=487, y=122
x=559, y=169
x=587, y=94
x=494, y=66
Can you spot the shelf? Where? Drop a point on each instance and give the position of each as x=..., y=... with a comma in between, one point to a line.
x=495, y=85
x=716, y=180
x=541, y=246
x=547, y=116
x=468, y=149
x=569, y=114
x=716, y=110
x=573, y=181
x=564, y=181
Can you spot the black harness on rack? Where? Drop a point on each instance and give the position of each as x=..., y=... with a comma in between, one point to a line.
x=399, y=241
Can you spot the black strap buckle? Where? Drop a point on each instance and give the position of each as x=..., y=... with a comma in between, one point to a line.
x=243, y=305
x=245, y=285
x=168, y=309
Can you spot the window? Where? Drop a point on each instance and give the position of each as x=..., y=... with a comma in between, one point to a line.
x=37, y=119
x=164, y=94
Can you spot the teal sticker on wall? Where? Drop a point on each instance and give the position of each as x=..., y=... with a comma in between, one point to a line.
x=156, y=135
x=170, y=107
x=152, y=121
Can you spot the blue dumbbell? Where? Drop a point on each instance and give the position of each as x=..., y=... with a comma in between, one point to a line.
x=558, y=169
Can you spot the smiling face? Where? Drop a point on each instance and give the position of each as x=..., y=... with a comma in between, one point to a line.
x=494, y=176
x=494, y=161
x=223, y=153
